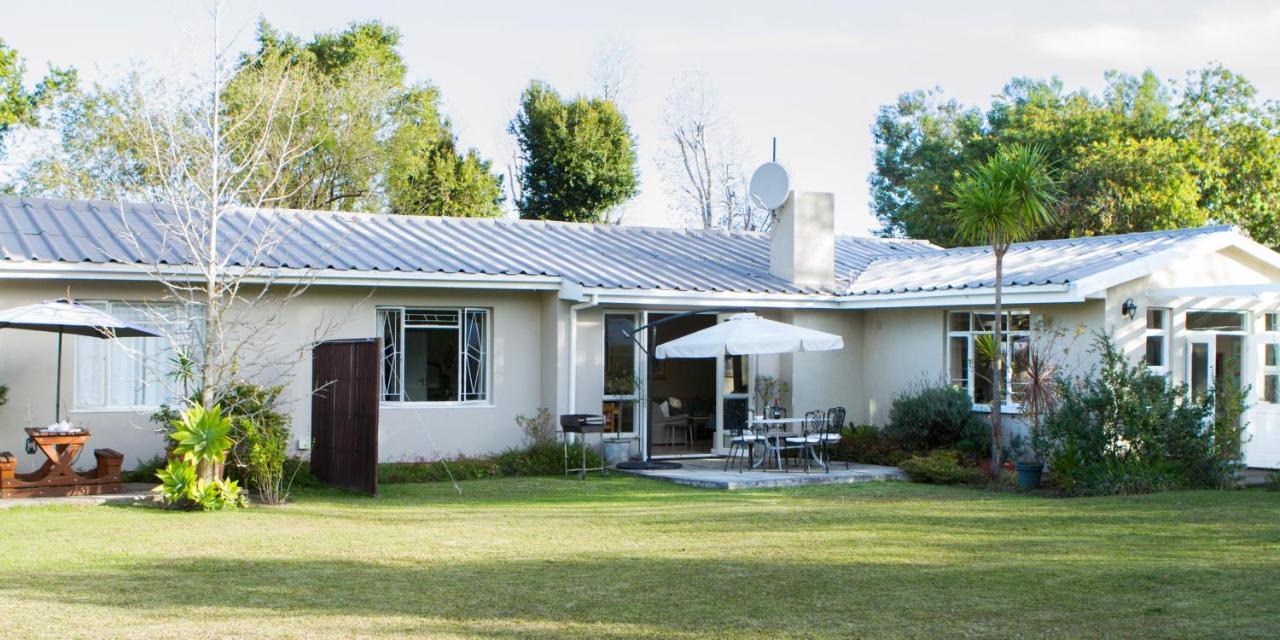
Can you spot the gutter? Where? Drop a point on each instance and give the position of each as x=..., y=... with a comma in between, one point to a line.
x=30, y=270
x=573, y=348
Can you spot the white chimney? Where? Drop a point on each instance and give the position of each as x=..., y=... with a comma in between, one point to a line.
x=803, y=249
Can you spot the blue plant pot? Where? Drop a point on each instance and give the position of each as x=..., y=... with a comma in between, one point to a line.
x=1029, y=474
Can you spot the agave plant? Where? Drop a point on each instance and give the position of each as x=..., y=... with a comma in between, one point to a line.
x=180, y=487
x=202, y=435
x=177, y=482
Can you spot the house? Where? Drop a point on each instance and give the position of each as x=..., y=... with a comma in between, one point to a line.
x=483, y=320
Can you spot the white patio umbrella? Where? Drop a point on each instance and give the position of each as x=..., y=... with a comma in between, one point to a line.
x=68, y=316
x=748, y=334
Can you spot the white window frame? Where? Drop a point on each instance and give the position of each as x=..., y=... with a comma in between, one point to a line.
x=460, y=327
x=80, y=404
x=636, y=360
x=1006, y=406
x=1245, y=319
x=1163, y=334
x=1270, y=337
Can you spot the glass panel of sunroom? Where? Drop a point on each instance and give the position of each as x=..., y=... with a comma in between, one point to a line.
x=1215, y=321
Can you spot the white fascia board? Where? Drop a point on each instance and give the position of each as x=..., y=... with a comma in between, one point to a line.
x=665, y=298
x=1265, y=291
x=139, y=273
x=1019, y=295
x=571, y=291
x=1097, y=284
x=1256, y=249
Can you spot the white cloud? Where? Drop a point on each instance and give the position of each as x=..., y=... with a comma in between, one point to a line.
x=1102, y=41
x=1218, y=33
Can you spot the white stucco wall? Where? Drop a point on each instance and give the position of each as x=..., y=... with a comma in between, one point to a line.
x=821, y=380
x=519, y=384
x=900, y=347
x=886, y=351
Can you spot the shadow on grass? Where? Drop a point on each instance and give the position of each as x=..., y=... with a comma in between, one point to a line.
x=642, y=596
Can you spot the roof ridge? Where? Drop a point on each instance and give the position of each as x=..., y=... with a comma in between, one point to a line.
x=503, y=219
x=1114, y=237
x=496, y=220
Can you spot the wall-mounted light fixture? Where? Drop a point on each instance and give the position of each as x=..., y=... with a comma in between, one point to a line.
x=1129, y=309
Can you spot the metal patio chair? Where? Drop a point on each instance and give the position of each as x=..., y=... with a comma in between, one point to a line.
x=831, y=435
x=742, y=440
x=810, y=439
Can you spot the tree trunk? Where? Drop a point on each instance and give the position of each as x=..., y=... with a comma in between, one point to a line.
x=997, y=368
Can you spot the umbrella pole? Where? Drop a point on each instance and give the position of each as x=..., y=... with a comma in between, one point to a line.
x=57, y=384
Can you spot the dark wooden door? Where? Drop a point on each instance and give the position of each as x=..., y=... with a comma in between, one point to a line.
x=344, y=413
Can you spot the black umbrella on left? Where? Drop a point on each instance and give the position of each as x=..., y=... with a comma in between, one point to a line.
x=69, y=316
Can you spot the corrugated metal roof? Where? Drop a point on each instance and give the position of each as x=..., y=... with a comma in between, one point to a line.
x=1029, y=263
x=605, y=256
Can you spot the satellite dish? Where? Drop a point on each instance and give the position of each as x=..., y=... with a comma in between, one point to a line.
x=770, y=185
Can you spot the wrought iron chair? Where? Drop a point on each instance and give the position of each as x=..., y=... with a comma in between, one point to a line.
x=776, y=441
x=810, y=438
x=831, y=435
x=742, y=439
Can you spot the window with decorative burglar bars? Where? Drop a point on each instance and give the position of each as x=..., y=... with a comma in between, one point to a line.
x=434, y=355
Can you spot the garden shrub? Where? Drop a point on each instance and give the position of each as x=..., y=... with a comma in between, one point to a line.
x=145, y=470
x=298, y=470
x=542, y=459
x=539, y=428
x=868, y=444
x=259, y=432
x=931, y=417
x=1124, y=429
x=189, y=480
x=941, y=467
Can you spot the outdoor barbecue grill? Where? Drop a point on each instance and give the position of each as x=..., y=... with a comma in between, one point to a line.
x=582, y=424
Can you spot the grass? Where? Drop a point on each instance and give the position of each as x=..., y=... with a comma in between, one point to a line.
x=631, y=558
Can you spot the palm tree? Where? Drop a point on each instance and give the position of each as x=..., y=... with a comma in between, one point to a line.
x=1004, y=200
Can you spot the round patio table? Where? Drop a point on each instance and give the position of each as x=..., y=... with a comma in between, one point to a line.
x=775, y=430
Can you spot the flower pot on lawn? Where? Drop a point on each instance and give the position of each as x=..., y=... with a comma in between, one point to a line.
x=1029, y=474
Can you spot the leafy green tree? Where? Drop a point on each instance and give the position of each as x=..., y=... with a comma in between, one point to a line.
x=18, y=105
x=1142, y=155
x=375, y=141
x=1238, y=143
x=349, y=131
x=1004, y=200
x=427, y=174
x=577, y=156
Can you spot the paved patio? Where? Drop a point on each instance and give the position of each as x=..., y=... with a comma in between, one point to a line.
x=133, y=492
x=709, y=473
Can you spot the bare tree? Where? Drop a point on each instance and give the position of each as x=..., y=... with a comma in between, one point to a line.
x=207, y=231
x=611, y=70
x=699, y=161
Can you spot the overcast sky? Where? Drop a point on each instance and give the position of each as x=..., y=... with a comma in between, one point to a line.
x=811, y=73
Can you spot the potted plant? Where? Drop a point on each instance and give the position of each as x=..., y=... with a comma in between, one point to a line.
x=769, y=391
x=1029, y=468
x=620, y=381
x=1037, y=368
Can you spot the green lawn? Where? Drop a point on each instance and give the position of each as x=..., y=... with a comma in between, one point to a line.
x=630, y=558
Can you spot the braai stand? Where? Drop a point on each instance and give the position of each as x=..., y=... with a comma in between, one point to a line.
x=582, y=424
